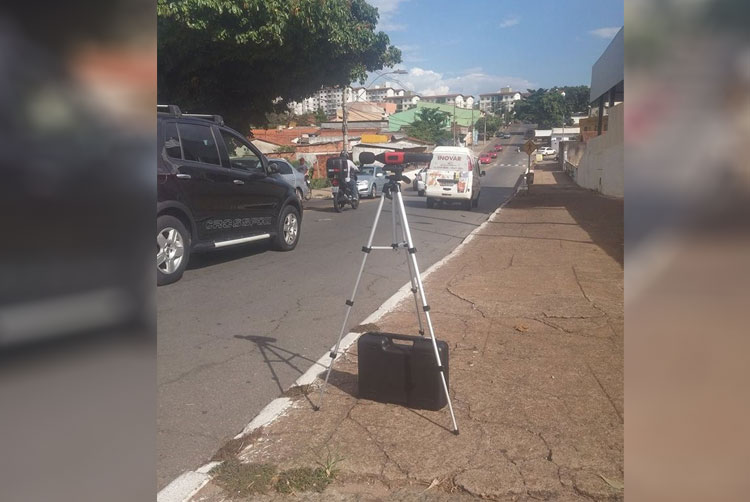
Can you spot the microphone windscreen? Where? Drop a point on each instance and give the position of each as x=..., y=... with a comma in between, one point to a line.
x=366, y=158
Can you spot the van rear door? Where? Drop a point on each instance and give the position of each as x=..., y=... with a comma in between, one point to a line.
x=449, y=175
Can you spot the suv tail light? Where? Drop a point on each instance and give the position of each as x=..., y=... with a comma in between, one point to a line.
x=470, y=166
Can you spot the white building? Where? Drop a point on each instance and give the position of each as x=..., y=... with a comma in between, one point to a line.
x=459, y=100
x=505, y=99
x=329, y=98
x=404, y=102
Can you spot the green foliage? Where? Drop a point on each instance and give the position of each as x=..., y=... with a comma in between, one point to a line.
x=274, y=119
x=320, y=116
x=545, y=108
x=429, y=125
x=494, y=123
x=320, y=183
x=236, y=57
x=577, y=99
x=549, y=108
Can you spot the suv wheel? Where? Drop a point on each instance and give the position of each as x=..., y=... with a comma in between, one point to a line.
x=287, y=233
x=172, y=249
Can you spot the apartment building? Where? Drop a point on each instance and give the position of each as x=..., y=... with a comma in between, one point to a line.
x=505, y=99
x=457, y=100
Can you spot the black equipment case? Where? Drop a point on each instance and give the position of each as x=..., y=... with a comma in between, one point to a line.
x=401, y=369
x=335, y=168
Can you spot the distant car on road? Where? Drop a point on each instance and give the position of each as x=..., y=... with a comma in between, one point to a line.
x=506, y=136
x=485, y=158
x=493, y=155
x=419, y=183
x=288, y=173
x=498, y=148
x=370, y=181
x=546, y=150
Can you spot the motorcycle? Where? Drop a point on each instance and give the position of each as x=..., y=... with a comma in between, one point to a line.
x=342, y=194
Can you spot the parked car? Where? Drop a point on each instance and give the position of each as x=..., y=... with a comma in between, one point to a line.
x=293, y=176
x=419, y=182
x=498, y=148
x=506, y=136
x=486, y=158
x=452, y=176
x=370, y=181
x=215, y=189
x=546, y=150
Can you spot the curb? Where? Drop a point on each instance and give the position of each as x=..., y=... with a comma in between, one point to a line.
x=190, y=482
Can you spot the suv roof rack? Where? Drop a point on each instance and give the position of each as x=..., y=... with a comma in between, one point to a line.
x=217, y=119
x=170, y=109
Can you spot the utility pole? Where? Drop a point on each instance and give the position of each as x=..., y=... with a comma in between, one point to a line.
x=344, y=125
x=454, y=122
x=485, y=127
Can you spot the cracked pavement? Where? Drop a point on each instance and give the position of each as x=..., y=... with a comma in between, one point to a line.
x=532, y=310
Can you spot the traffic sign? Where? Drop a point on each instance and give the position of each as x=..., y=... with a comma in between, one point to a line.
x=529, y=147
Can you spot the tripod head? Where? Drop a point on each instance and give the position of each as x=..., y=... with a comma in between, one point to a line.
x=398, y=173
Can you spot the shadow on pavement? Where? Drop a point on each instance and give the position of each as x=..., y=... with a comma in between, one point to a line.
x=347, y=383
x=595, y=213
x=273, y=354
x=216, y=257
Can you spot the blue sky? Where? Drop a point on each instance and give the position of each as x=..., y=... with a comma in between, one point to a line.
x=478, y=46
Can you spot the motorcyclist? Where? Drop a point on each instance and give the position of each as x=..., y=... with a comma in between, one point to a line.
x=351, y=176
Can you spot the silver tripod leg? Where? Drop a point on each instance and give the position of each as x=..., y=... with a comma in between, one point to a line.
x=350, y=302
x=425, y=307
x=414, y=289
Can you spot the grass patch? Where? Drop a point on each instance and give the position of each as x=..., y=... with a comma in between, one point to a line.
x=243, y=480
x=306, y=479
x=298, y=390
x=303, y=479
x=364, y=328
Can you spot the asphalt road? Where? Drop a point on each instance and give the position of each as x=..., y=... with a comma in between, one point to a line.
x=244, y=323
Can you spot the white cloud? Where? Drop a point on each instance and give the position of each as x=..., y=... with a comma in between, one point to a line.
x=470, y=82
x=387, y=10
x=608, y=32
x=510, y=21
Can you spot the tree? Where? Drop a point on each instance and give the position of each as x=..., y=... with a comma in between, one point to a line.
x=545, y=108
x=429, y=125
x=577, y=99
x=320, y=116
x=494, y=123
x=236, y=57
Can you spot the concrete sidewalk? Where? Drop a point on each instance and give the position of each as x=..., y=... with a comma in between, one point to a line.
x=532, y=309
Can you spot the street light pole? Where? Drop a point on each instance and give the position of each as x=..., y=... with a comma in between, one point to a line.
x=344, y=123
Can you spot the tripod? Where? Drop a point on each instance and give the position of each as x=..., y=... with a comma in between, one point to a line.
x=392, y=190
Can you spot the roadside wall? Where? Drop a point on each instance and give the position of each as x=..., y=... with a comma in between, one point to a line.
x=601, y=166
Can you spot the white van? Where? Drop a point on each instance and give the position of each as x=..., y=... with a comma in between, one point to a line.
x=453, y=175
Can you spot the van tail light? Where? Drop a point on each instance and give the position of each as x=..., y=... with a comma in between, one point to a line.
x=335, y=182
x=470, y=166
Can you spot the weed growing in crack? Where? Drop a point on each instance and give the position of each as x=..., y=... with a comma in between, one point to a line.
x=243, y=480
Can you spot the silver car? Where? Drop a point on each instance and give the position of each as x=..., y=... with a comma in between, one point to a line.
x=291, y=175
x=370, y=181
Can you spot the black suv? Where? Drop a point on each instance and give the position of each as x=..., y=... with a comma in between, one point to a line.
x=215, y=189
